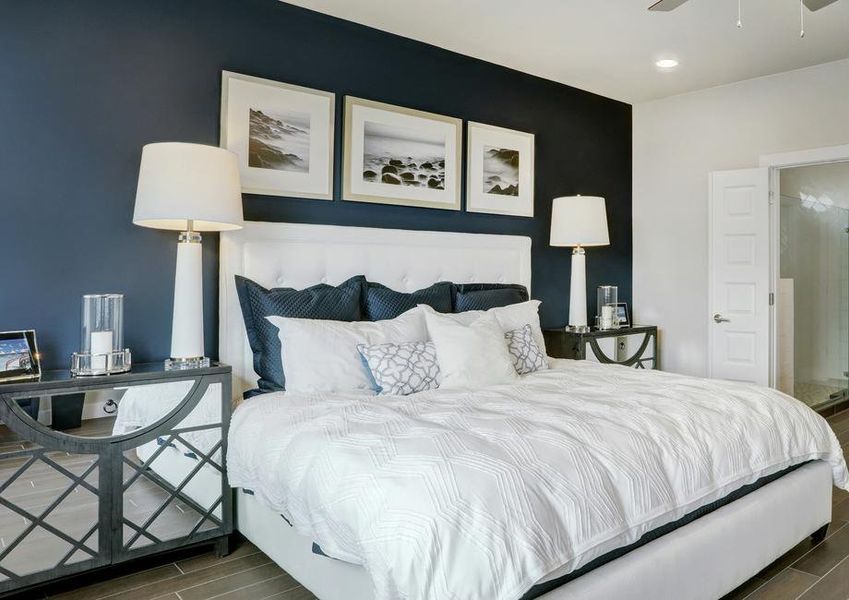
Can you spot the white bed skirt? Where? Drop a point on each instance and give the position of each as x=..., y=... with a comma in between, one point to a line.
x=703, y=560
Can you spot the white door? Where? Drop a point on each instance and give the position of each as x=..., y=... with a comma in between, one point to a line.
x=739, y=275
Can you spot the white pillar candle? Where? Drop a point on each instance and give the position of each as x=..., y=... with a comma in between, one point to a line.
x=607, y=315
x=101, y=350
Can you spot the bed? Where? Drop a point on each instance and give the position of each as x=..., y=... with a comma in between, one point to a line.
x=703, y=544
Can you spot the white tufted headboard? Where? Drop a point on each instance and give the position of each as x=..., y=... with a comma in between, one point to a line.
x=298, y=256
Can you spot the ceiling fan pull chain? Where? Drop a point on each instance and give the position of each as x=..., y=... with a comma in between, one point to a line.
x=802, y=18
x=739, y=14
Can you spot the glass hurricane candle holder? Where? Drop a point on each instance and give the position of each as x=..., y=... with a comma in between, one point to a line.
x=102, y=349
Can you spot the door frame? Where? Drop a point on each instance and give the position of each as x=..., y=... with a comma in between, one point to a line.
x=776, y=162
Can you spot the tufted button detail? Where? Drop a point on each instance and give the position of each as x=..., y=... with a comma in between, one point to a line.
x=324, y=280
x=279, y=281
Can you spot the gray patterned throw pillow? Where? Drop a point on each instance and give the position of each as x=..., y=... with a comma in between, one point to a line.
x=402, y=369
x=526, y=353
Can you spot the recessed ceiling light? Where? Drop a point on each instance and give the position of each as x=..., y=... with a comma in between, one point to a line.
x=666, y=63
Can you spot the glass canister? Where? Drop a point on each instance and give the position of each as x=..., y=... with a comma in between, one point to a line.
x=608, y=296
x=101, y=337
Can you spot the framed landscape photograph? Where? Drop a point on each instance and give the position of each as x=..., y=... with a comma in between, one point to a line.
x=500, y=171
x=396, y=155
x=282, y=134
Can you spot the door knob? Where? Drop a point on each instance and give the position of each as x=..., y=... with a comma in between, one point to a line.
x=718, y=318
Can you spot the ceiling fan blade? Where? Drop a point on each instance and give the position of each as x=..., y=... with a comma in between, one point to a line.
x=818, y=4
x=667, y=5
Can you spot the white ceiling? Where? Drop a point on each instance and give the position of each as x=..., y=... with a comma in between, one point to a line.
x=609, y=46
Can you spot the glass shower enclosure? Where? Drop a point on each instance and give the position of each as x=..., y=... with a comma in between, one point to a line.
x=813, y=300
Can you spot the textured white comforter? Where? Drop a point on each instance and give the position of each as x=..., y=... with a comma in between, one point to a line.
x=480, y=495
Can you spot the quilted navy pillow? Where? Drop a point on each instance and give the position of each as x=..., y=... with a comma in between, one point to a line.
x=483, y=296
x=338, y=303
x=385, y=303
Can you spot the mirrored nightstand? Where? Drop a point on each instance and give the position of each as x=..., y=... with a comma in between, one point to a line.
x=630, y=346
x=145, y=476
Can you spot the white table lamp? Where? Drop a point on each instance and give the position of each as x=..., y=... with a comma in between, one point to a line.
x=188, y=188
x=578, y=221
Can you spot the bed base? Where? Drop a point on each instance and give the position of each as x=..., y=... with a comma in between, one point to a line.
x=702, y=560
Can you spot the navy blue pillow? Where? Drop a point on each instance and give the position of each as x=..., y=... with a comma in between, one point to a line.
x=339, y=303
x=385, y=303
x=483, y=296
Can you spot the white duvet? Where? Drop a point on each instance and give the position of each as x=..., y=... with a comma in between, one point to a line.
x=482, y=494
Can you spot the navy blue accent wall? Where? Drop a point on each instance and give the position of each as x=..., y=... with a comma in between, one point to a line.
x=86, y=83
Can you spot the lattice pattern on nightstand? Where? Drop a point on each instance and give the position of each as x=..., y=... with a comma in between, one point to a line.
x=51, y=497
x=156, y=509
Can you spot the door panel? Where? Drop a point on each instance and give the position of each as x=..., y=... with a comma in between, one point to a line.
x=739, y=275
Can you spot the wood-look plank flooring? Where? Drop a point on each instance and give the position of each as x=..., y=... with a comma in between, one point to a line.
x=810, y=572
x=246, y=574
x=807, y=572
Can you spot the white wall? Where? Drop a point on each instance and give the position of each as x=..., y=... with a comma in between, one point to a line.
x=677, y=142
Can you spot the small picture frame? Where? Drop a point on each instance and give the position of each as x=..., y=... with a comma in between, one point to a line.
x=19, y=358
x=622, y=314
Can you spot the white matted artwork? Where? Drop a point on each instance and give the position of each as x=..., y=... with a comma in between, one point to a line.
x=396, y=155
x=500, y=171
x=282, y=134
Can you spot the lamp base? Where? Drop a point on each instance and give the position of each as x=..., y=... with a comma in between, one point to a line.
x=184, y=364
x=578, y=292
x=187, y=322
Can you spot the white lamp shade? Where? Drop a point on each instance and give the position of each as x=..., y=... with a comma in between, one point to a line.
x=579, y=221
x=180, y=182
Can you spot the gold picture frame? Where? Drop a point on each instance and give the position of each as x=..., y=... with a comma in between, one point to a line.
x=401, y=156
x=499, y=170
x=293, y=125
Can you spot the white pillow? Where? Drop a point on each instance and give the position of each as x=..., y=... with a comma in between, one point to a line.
x=322, y=356
x=470, y=356
x=510, y=317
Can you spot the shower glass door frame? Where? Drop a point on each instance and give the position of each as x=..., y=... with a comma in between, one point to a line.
x=776, y=162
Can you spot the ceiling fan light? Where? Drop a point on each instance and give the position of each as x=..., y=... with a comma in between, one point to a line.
x=666, y=63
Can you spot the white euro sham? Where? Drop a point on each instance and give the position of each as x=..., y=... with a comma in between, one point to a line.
x=510, y=317
x=470, y=356
x=321, y=356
